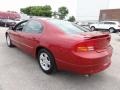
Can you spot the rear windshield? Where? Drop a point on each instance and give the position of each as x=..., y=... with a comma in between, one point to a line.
x=68, y=27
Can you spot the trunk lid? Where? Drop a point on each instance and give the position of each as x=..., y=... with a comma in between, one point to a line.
x=100, y=40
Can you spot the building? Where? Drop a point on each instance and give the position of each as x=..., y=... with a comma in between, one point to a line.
x=109, y=14
x=90, y=9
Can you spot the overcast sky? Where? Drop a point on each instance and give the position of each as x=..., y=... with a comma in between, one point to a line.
x=17, y=4
x=71, y=4
x=114, y=4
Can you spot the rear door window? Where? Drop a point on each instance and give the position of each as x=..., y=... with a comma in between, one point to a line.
x=67, y=27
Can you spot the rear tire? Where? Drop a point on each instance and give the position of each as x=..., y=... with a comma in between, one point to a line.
x=46, y=61
x=111, y=30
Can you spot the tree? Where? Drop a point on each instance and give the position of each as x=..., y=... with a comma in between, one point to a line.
x=26, y=10
x=71, y=19
x=55, y=14
x=62, y=12
x=38, y=10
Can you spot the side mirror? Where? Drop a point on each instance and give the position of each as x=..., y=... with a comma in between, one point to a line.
x=11, y=28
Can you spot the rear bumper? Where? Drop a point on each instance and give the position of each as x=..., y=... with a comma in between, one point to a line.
x=92, y=69
x=88, y=63
x=85, y=69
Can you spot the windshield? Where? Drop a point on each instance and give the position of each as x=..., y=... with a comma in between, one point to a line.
x=68, y=27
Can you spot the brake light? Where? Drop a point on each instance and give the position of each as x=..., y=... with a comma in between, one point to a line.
x=85, y=49
x=85, y=46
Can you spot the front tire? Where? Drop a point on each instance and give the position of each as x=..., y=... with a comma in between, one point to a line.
x=8, y=40
x=92, y=28
x=46, y=61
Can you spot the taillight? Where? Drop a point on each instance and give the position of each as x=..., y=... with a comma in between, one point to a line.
x=85, y=46
x=85, y=49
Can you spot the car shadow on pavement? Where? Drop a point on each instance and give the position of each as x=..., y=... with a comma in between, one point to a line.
x=100, y=80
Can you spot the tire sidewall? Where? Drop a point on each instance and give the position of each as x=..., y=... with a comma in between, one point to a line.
x=92, y=28
x=112, y=29
x=52, y=61
x=10, y=44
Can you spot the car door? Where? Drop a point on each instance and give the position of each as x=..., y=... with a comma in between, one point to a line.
x=100, y=25
x=29, y=37
x=107, y=25
x=15, y=33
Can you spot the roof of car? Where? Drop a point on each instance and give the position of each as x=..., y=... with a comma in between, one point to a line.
x=42, y=18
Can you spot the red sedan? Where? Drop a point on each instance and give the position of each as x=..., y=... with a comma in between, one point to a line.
x=61, y=45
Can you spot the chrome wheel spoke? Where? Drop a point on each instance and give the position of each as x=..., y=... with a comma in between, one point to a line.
x=44, y=61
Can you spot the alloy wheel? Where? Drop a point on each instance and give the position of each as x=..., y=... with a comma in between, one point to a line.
x=44, y=61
